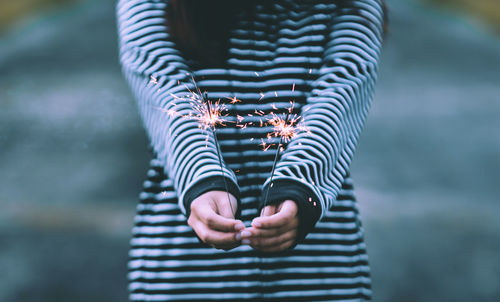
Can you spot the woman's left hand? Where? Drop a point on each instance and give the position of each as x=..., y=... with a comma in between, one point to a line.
x=276, y=228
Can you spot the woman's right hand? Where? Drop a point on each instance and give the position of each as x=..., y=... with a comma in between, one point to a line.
x=213, y=220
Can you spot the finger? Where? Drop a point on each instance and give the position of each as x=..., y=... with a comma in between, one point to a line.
x=285, y=215
x=215, y=238
x=219, y=223
x=268, y=210
x=270, y=242
x=209, y=217
x=227, y=208
x=252, y=232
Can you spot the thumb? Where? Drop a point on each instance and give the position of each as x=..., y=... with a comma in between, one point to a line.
x=288, y=207
x=268, y=211
x=227, y=208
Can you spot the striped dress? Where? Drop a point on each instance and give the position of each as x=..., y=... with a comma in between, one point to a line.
x=321, y=54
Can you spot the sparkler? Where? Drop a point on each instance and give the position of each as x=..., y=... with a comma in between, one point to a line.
x=286, y=128
x=209, y=114
x=211, y=118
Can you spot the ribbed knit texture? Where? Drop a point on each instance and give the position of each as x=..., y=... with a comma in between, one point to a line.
x=328, y=51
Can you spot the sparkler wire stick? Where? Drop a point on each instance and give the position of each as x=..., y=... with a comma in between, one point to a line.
x=275, y=161
x=216, y=141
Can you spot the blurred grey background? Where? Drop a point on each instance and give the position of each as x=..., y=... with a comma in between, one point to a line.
x=73, y=154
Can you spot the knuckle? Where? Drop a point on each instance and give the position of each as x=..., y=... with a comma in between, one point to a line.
x=210, y=221
x=277, y=232
x=284, y=246
x=204, y=237
x=290, y=236
x=210, y=239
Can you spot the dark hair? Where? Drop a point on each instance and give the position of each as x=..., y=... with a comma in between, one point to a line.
x=201, y=28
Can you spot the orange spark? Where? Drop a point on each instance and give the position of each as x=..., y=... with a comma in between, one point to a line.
x=234, y=100
x=286, y=126
x=265, y=146
x=209, y=114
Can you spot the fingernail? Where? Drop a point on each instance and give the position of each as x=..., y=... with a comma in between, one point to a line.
x=238, y=236
x=256, y=224
x=245, y=241
x=246, y=234
x=239, y=226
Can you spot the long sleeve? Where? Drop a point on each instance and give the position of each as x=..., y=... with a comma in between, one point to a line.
x=317, y=163
x=148, y=55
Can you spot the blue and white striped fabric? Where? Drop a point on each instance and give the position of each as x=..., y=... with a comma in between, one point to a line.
x=328, y=51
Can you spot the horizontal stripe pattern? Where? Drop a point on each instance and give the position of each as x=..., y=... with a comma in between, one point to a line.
x=328, y=51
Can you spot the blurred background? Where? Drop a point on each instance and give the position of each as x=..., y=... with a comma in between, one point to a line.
x=73, y=154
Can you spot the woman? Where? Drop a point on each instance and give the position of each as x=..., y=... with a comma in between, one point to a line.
x=304, y=242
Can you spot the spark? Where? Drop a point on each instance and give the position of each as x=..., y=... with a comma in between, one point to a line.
x=261, y=96
x=153, y=80
x=265, y=146
x=286, y=127
x=259, y=112
x=209, y=114
x=234, y=100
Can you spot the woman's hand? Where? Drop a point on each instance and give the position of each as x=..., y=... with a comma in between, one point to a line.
x=276, y=228
x=213, y=220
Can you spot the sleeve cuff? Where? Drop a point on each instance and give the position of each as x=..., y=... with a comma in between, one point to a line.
x=308, y=203
x=212, y=183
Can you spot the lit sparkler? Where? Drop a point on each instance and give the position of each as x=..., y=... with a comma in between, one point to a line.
x=286, y=127
x=209, y=114
x=211, y=119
